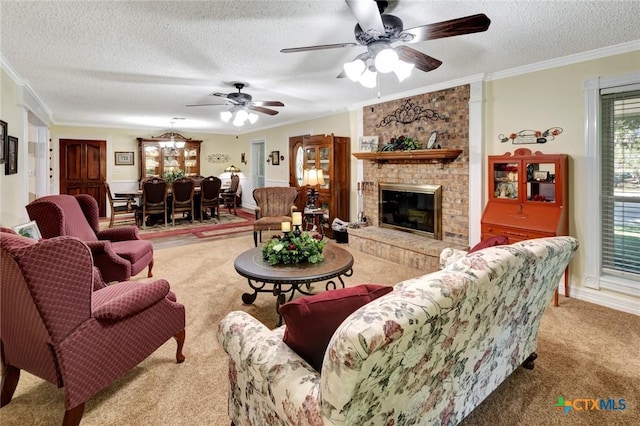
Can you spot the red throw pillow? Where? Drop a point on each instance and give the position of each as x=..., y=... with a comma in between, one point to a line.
x=312, y=320
x=498, y=240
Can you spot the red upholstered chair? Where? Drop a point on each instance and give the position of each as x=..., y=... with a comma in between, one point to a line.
x=54, y=325
x=118, y=252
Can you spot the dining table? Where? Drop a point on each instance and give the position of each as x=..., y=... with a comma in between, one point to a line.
x=136, y=196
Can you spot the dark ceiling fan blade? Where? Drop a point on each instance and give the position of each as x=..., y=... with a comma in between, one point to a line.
x=263, y=110
x=222, y=95
x=267, y=103
x=318, y=47
x=367, y=14
x=453, y=27
x=204, y=105
x=420, y=60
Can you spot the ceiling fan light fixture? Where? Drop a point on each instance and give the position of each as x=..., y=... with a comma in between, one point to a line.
x=253, y=118
x=386, y=60
x=354, y=69
x=368, y=78
x=242, y=115
x=226, y=116
x=403, y=70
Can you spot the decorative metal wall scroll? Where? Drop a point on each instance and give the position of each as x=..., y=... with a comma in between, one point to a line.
x=218, y=158
x=531, y=136
x=408, y=113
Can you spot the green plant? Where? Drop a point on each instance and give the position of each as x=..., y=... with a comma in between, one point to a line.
x=401, y=143
x=289, y=249
x=172, y=175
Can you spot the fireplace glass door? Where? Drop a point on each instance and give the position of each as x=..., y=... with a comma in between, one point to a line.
x=414, y=208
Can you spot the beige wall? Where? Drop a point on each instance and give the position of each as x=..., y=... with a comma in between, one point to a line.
x=13, y=190
x=545, y=99
x=125, y=140
x=277, y=139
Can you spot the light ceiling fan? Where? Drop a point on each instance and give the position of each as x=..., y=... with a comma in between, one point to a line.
x=385, y=39
x=240, y=101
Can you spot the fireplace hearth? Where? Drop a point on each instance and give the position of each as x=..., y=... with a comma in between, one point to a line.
x=411, y=208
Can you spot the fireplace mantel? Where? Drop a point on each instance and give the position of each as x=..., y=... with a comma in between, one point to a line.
x=415, y=155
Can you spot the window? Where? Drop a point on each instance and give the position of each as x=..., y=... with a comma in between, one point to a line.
x=613, y=166
x=620, y=165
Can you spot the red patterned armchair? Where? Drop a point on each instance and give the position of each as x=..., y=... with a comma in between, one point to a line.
x=54, y=325
x=118, y=252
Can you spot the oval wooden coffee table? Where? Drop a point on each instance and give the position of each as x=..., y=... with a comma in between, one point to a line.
x=282, y=279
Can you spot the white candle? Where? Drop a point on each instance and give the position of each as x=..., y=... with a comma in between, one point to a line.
x=285, y=226
x=297, y=218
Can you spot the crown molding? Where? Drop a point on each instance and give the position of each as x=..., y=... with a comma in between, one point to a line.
x=29, y=97
x=567, y=60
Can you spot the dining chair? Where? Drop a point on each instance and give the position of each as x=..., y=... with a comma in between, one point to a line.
x=154, y=198
x=210, y=196
x=182, y=191
x=229, y=195
x=126, y=207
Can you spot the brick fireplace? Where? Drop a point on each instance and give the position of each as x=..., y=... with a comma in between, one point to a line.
x=451, y=175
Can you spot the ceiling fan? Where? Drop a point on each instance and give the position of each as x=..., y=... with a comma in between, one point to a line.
x=242, y=100
x=384, y=36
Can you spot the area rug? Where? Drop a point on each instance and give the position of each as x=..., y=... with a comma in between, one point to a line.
x=228, y=223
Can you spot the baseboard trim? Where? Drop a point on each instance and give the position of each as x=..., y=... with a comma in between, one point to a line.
x=604, y=298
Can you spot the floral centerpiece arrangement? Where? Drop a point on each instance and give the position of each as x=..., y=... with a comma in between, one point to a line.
x=172, y=175
x=289, y=248
x=401, y=143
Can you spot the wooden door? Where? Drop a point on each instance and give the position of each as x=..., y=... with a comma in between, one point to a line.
x=83, y=169
x=296, y=165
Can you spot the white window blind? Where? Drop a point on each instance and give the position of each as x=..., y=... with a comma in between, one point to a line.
x=620, y=167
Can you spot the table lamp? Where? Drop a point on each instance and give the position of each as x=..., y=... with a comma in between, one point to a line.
x=232, y=169
x=312, y=178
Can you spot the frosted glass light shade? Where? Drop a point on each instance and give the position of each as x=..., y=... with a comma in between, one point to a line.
x=386, y=60
x=368, y=78
x=242, y=115
x=226, y=116
x=354, y=69
x=403, y=70
x=253, y=117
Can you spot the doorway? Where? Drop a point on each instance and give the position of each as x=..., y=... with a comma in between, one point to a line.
x=258, y=163
x=83, y=169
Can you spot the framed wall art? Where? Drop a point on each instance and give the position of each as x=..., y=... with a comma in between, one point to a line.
x=11, y=152
x=275, y=158
x=29, y=230
x=3, y=141
x=124, y=158
x=368, y=143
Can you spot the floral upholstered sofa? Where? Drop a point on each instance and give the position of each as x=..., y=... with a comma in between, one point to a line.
x=427, y=353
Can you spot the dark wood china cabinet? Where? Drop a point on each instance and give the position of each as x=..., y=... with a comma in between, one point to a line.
x=331, y=154
x=160, y=155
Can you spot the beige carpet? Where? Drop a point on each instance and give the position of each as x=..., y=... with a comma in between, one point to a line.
x=585, y=351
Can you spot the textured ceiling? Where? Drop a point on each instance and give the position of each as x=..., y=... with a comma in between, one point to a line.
x=138, y=63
